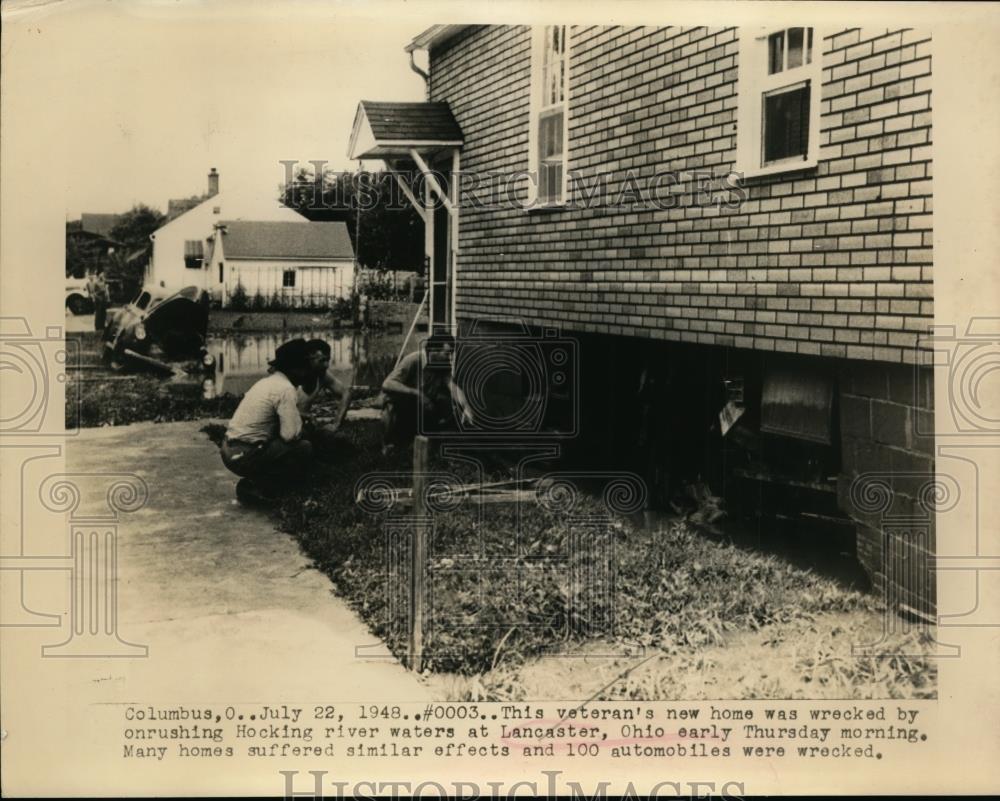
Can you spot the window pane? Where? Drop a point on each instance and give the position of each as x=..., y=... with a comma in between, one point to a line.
x=776, y=52
x=795, y=42
x=786, y=124
x=562, y=79
x=809, y=46
x=550, y=182
x=553, y=65
x=550, y=136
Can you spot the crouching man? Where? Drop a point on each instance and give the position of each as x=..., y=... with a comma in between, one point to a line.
x=320, y=378
x=264, y=444
x=422, y=388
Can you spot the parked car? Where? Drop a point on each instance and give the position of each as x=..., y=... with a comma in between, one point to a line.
x=175, y=323
x=78, y=299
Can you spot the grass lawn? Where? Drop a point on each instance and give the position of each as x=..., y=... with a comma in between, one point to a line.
x=697, y=618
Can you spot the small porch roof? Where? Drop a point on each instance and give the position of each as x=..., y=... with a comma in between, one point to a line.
x=391, y=130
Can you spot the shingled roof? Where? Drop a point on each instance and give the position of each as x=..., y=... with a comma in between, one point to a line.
x=390, y=128
x=246, y=239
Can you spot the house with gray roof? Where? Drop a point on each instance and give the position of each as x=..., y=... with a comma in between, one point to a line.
x=180, y=246
x=304, y=264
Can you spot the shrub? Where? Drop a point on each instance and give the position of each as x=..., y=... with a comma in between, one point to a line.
x=238, y=299
x=343, y=308
x=259, y=302
x=379, y=285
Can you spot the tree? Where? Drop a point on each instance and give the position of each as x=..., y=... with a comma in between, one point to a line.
x=134, y=226
x=78, y=257
x=126, y=264
x=390, y=230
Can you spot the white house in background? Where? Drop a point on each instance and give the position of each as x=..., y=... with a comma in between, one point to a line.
x=179, y=245
x=309, y=264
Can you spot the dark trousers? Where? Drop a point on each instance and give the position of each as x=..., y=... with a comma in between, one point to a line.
x=399, y=419
x=100, y=314
x=402, y=420
x=324, y=438
x=273, y=462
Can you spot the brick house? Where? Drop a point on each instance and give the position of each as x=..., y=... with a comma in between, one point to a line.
x=586, y=181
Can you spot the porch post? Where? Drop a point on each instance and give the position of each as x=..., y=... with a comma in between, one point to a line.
x=429, y=252
x=453, y=216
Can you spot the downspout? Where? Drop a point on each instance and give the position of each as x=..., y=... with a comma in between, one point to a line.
x=422, y=74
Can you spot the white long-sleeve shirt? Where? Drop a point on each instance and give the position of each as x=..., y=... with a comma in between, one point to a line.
x=267, y=410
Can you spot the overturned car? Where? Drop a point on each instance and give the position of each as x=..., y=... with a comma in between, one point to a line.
x=158, y=324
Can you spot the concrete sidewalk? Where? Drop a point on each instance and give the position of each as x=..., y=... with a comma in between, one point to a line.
x=204, y=581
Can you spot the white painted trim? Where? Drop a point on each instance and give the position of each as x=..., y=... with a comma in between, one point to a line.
x=753, y=82
x=421, y=143
x=456, y=166
x=417, y=206
x=360, y=123
x=431, y=180
x=429, y=253
x=534, y=111
x=432, y=36
x=262, y=257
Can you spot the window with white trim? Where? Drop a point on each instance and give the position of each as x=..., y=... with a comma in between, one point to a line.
x=194, y=254
x=548, y=137
x=780, y=74
x=288, y=279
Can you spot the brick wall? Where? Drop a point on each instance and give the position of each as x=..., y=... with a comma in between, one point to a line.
x=833, y=261
x=888, y=462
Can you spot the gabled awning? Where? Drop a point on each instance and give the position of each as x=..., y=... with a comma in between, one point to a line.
x=393, y=130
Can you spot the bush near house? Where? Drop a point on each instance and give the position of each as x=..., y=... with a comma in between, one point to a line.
x=238, y=300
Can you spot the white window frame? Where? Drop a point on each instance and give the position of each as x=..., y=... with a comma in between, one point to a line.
x=201, y=263
x=537, y=109
x=755, y=83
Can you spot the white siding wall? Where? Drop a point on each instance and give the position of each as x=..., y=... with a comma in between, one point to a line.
x=316, y=282
x=167, y=266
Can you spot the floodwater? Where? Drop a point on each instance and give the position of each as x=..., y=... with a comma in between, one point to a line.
x=242, y=358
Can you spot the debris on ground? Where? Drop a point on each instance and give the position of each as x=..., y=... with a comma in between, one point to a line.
x=698, y=504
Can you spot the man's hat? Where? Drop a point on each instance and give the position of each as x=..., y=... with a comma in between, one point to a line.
x=292, y=355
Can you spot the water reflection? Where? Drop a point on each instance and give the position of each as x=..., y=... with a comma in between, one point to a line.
x=242, y=359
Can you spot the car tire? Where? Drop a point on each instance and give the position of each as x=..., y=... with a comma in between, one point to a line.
x=77, y=304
